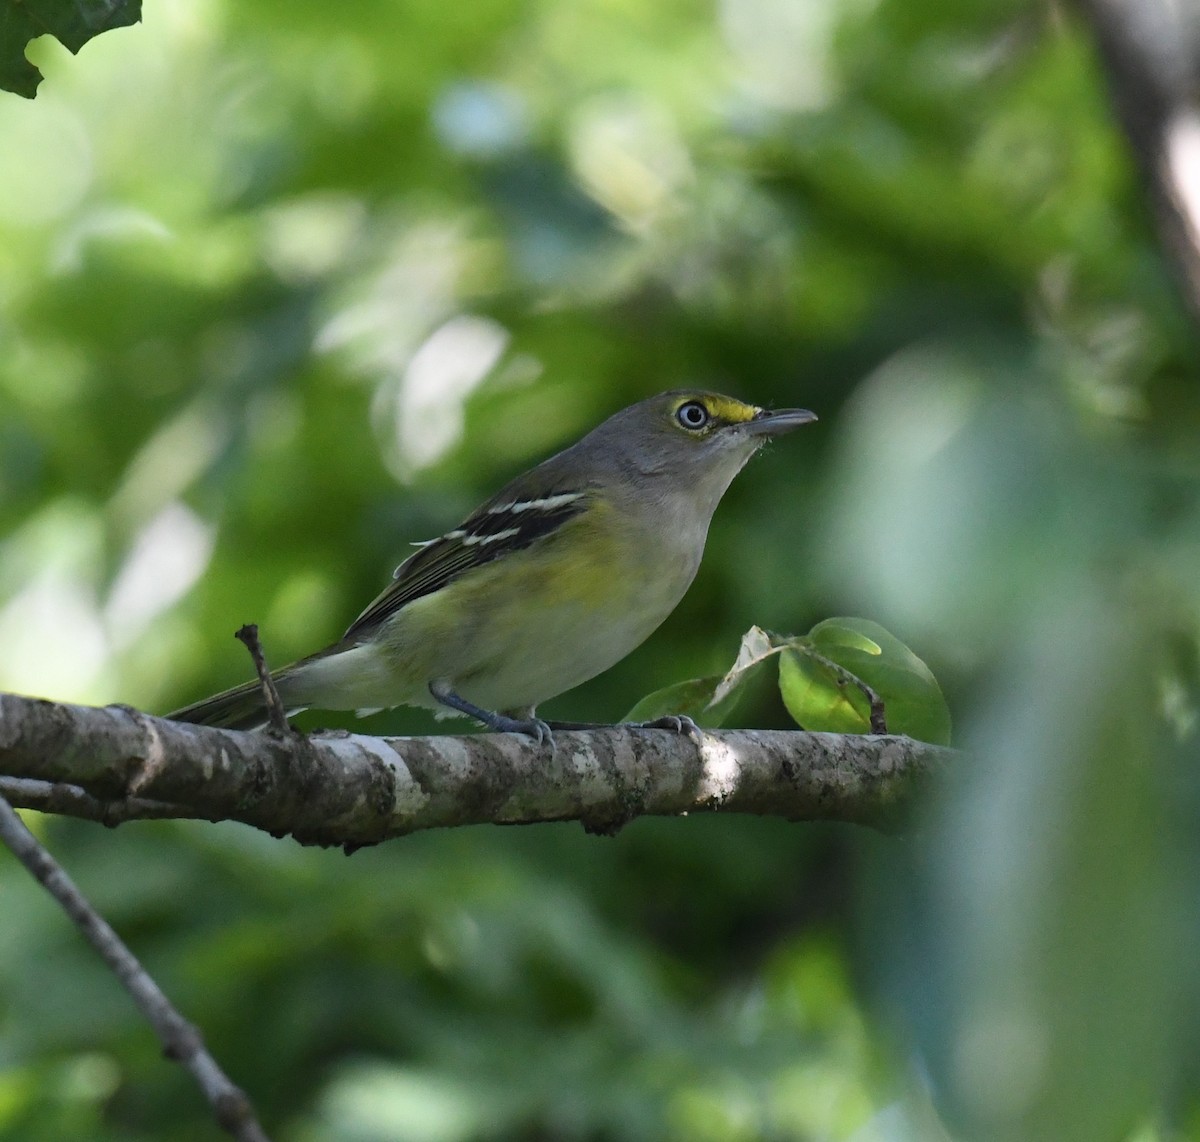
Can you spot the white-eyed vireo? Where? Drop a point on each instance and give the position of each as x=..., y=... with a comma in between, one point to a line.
x=557, y=577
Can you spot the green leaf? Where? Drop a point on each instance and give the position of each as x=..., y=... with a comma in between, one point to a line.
x=71, y=22
x=710, y=701
x=819, y=697
x=691, y=698
x=837, y=633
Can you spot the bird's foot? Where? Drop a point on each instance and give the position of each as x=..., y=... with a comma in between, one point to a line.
x=535, y=728
x=676, y=723
x=529, y=725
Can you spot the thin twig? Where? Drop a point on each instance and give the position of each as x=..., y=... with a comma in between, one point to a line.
x=181, y=1040
x=275, y=709
x=848, y=677
x=73, y=801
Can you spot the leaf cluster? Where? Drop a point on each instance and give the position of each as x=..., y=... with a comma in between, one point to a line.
x=846, y=676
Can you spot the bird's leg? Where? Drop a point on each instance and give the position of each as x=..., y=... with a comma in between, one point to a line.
x=501, y=723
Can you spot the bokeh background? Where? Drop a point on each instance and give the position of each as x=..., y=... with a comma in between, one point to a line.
x=285, y=287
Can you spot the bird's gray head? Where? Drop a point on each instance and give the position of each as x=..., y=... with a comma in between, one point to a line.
x=690, y=438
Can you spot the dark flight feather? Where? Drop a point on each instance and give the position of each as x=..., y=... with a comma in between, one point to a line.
x=500, y=527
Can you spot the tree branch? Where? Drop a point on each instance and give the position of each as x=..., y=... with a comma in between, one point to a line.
x=180, y=1039
x=117, y=764
x=1151, y=53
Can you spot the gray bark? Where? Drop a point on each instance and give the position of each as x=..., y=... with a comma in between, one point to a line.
x=116, y=764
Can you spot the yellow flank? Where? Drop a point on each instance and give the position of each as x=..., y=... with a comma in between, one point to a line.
x=507, y=634
x=722, y=409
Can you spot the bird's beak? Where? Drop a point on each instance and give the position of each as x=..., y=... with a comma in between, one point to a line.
x=774, y=422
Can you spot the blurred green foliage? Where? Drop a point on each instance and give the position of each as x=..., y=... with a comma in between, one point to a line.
x=261, y=263
x=71, y=24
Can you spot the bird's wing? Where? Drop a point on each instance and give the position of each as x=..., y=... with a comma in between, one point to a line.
x=501, y=526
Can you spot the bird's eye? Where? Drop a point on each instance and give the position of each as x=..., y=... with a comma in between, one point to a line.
x=692, y=416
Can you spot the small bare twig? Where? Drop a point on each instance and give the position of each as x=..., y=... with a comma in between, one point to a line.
x=181, y=1040
x=849, y=678
x=248, y=635
x=73, y=801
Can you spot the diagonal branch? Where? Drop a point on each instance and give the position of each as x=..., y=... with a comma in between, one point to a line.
x=181, y=1041
x=1151, y=53
x=115, y=764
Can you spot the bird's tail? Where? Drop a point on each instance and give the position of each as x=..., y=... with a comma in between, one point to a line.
x=336, y=678
x=242, y=708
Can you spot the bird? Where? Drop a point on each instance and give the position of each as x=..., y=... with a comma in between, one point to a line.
x=556, y=578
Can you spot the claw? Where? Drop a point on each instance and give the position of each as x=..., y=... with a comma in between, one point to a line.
x=676, y=723
x=535, y=728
